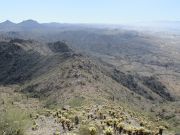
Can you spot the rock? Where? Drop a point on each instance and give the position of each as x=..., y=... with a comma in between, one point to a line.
x=66, y=107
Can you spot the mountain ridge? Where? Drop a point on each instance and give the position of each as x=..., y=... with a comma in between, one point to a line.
x=81, y=65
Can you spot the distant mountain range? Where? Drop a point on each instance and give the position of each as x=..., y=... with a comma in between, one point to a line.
x=24, y=25
x=172, y=26
x=34, y=25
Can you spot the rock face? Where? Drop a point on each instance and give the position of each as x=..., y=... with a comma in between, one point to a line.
x=60, y=47
x=20, y=59
x=142, y=85
x=16, y=63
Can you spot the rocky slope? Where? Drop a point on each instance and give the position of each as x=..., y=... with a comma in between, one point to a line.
x=57, y=75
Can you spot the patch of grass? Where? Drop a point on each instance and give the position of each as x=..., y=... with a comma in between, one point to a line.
x=51, y=103
x=76, y=101
x=13, y=121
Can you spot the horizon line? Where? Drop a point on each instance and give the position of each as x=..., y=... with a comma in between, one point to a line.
x=89, y=23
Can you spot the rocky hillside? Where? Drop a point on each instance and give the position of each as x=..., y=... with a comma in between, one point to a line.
x=42, y=68
x=57, y=75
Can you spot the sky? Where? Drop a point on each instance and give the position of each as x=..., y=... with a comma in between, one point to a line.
x=90, y=11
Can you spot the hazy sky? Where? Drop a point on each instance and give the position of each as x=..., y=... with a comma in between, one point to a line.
x=90, y=11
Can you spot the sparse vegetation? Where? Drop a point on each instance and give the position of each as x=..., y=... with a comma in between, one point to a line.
x=13, y=121
x=121, y=87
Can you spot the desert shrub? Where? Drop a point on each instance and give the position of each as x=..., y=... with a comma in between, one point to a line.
x=88, y=130
x=13, y=122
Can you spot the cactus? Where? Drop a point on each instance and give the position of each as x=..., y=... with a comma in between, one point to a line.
x=109, y=122
x=103, y=125
x=36, y=116
x=76, y=120
x=58, y=115
x=47, y=113
x=35, y=126
x=68, y=124
x=54, y=114
x=100, y=115
x=129, y=130
x=161, y=128
x=63, y=120
x=92, y=130
x=141, y=130
x=30, y=115
x=18, y=132
x=147, y=132
x=3, y=102
x=83, y=113
x=120, y=127
x=115, y=122
x=108, y=131
x=65, y=115
x=57, y=133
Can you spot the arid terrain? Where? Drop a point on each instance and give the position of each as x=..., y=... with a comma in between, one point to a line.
x=63, y=79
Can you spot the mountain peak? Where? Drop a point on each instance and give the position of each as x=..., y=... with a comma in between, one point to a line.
x=29, y=24
x=7, y=22
x=30, y=21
